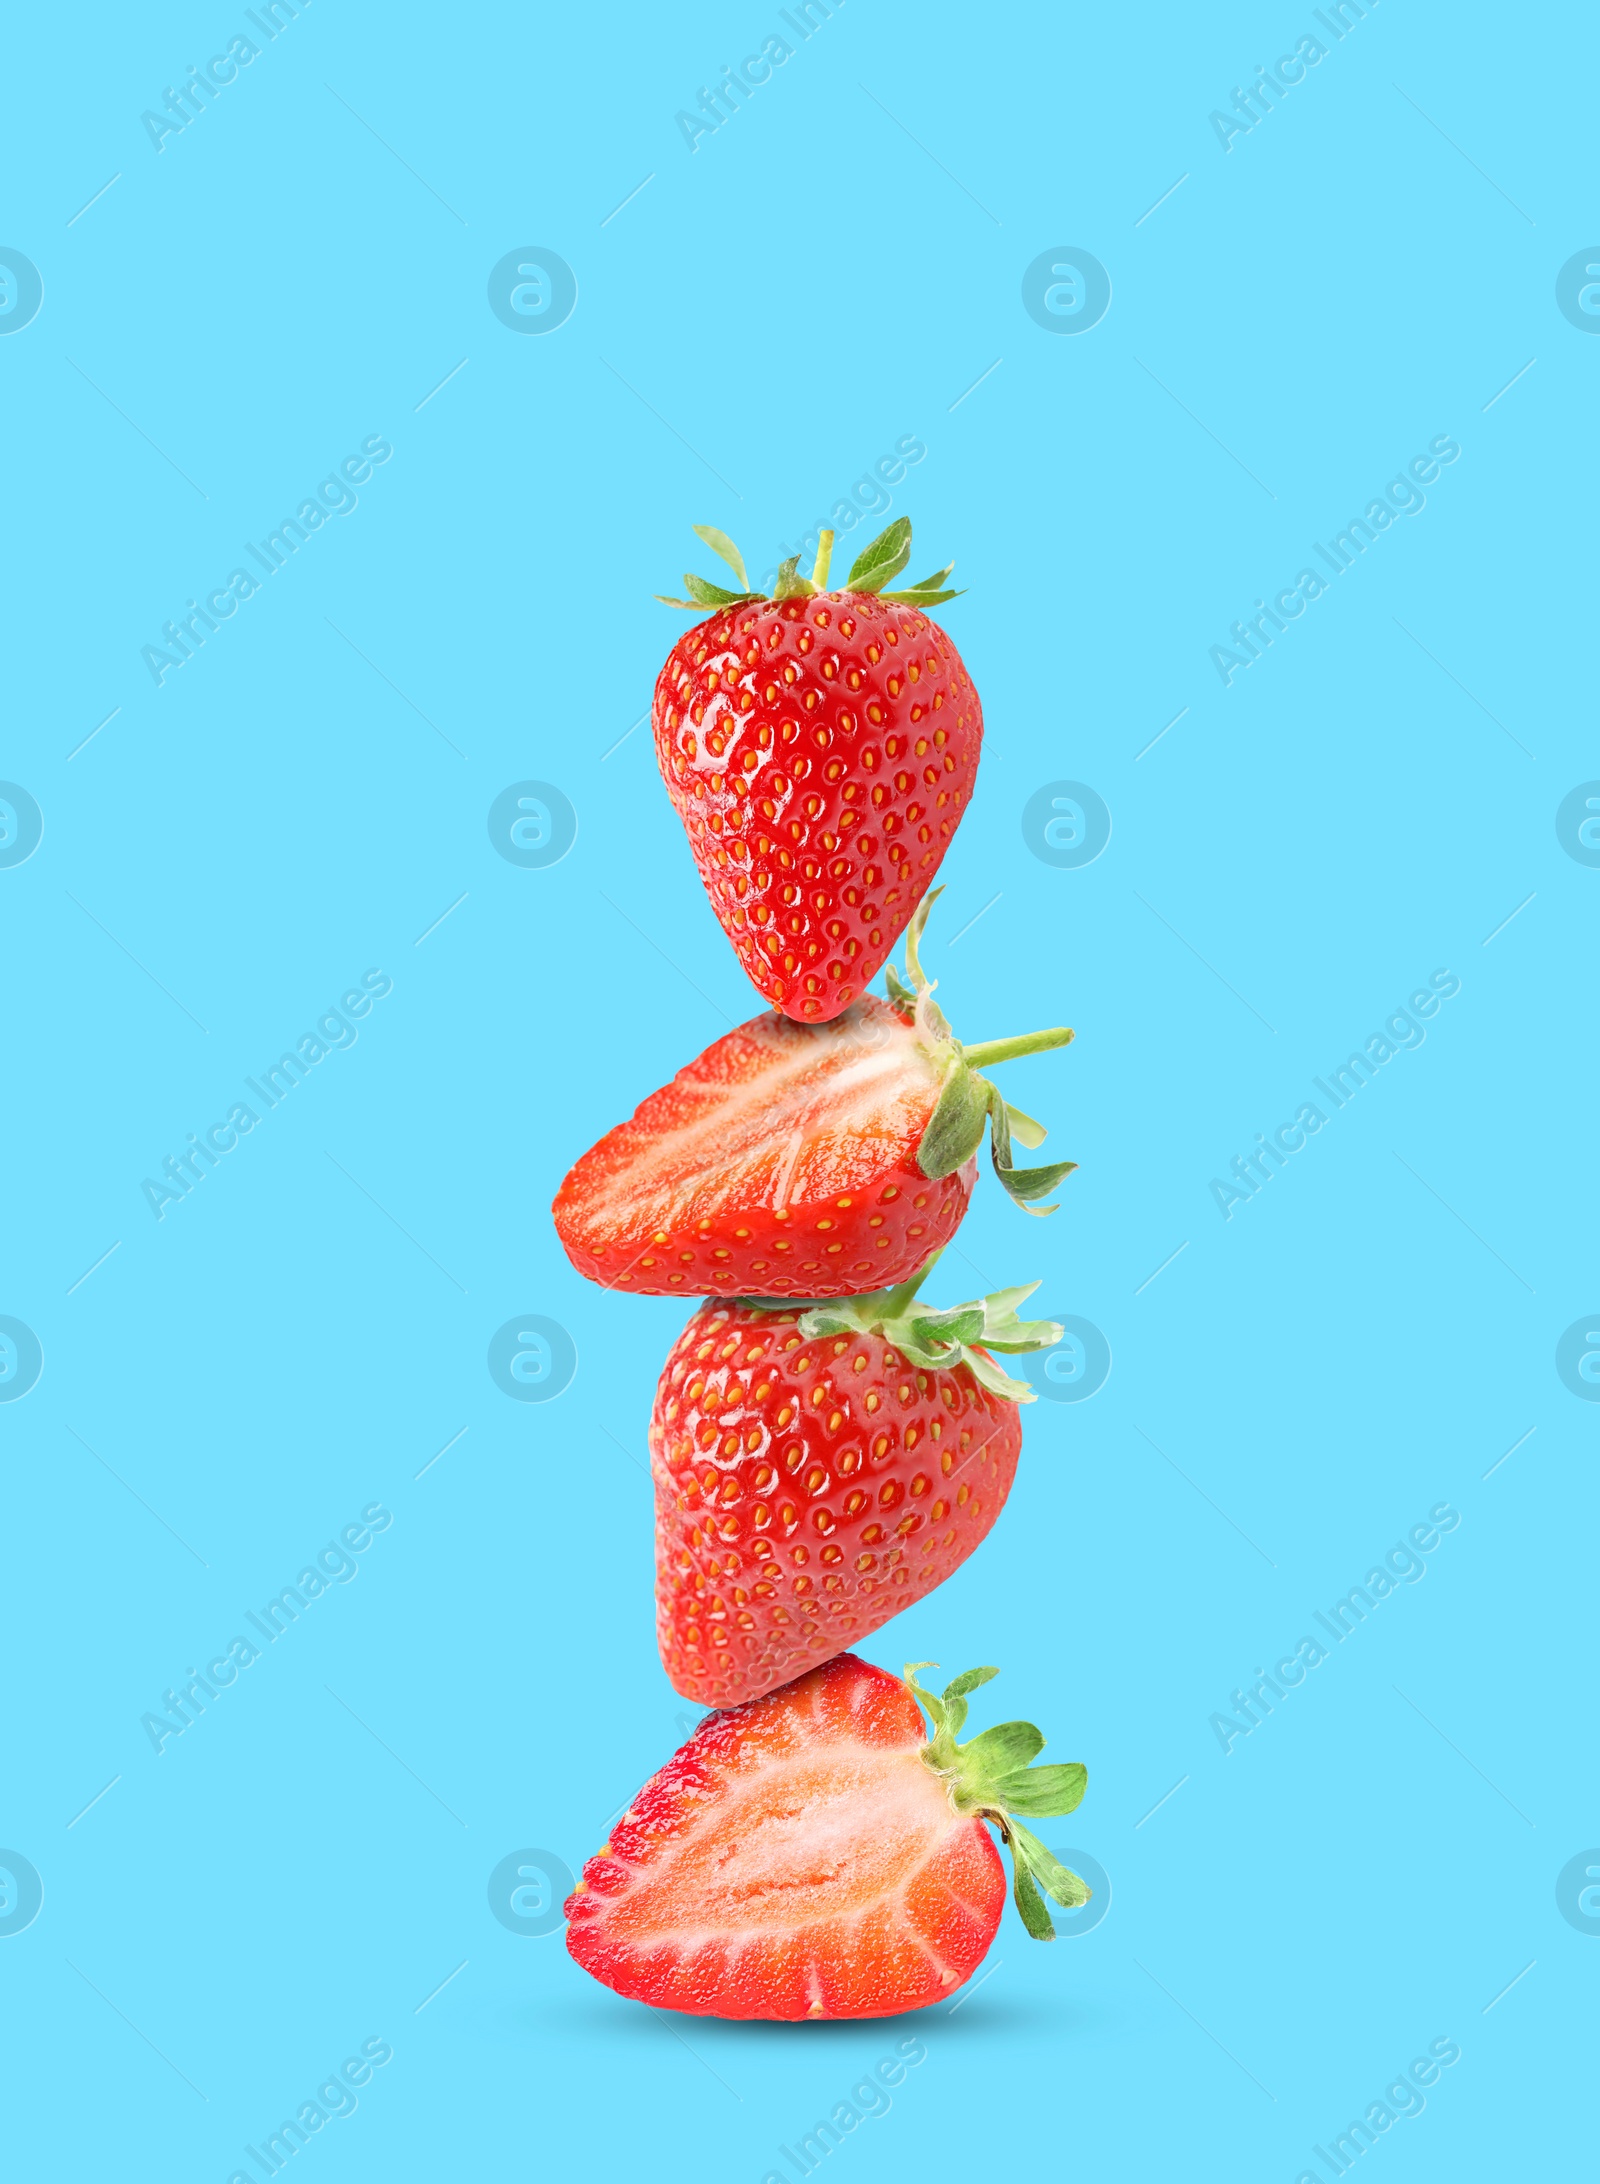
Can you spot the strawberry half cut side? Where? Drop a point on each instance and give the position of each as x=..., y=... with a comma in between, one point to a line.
x=821, y=748
x=816, y=1854
x=816, y=1471
x=805, y=1160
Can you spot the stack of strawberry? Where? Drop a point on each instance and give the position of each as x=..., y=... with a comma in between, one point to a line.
x=826, y=1448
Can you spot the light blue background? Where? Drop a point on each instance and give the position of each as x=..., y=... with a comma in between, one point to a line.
x=307, y=798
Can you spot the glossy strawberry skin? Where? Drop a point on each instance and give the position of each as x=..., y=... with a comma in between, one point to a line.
x=782, y=1162
x=795, y=1859
x=820, y=753
x=807, y=1490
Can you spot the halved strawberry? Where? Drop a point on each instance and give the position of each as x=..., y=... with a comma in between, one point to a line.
x=816, y=1854
x=820, y=748
x=803, y=1160
x=817, y=1471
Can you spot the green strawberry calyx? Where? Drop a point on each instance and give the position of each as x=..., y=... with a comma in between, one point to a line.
x=937, y=1341
x=967, y=1100
x=991, y=1777
x=875, y=566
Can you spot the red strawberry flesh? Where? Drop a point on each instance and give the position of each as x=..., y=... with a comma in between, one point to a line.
x=807, y=1490
x=796, y=1859
x=820, y=753
x=781, y=1162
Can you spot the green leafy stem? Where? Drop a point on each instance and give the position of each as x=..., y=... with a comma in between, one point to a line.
x=877, y=565
x=939, y=1340
x=967, y=1100
x=992, y=1778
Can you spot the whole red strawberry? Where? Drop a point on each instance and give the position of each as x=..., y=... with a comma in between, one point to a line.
x=817, y=1854
x=809, y=1160
x=820, y=748
x=816, y=1471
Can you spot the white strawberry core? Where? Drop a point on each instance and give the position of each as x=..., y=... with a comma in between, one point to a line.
x=785, y=1847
